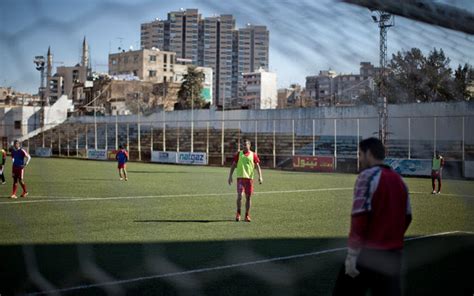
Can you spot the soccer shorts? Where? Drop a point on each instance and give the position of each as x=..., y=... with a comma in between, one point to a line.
x=17, y=172
x=435, y=174
x=245, y=185
x=122, y=166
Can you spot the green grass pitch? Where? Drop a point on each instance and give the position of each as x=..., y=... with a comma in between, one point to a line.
x=82, y=227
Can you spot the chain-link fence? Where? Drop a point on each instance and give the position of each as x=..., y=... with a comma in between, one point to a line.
x=275, y=141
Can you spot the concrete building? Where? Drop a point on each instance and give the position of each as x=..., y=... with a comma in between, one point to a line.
x=349, y=87
x=9, y=97
x=21, y=122
x=211, y=42
x=320, y=87
x=292, y=97
x=260, y=90
x=218, y=34
x=330, y=88
x=151, y=65
x=179, y=33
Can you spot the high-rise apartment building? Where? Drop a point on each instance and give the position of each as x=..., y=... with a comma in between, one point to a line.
x=211, y=42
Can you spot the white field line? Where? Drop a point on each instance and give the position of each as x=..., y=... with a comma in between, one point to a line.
x=75, y=199
x=444, y=194
x=230, y=266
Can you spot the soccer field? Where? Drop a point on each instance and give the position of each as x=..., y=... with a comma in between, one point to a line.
x=170, y=230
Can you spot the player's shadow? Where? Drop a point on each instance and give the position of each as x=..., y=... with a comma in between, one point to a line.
x=157, y=172
x=98, y=179
x=180, y=221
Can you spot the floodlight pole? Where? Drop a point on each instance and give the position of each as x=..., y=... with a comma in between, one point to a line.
x=385, y=21
x=39, y=61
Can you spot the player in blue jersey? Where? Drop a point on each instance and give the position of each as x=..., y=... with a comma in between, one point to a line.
x=20, y=158
x=122, y=158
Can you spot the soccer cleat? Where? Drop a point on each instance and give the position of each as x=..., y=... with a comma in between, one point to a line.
x=126, y=179
x=3, y=183
x=247, y=218
x=439, y=192
x=25, y=194
x=13, y=196
x=237, y=217
x=434, y=192
x=121, y=179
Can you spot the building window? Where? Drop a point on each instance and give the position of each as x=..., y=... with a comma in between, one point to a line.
x=152, y=58
x=17, y=124
x=125, y=60
x=114, y=62
x=165, y=58
x=152, y=73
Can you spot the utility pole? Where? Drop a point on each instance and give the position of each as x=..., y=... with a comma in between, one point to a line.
x=385, y=20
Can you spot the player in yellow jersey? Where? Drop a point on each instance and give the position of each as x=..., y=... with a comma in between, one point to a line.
x=245, y=161
x=436, y=172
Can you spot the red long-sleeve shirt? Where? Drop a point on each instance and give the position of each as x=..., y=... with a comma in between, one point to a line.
x=381, y=211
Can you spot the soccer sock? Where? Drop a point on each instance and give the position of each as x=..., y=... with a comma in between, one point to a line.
x=23, y=186
x=433, y=183
x=439, y=184
x=247, y=206
x=2, y=176
x=15, y=186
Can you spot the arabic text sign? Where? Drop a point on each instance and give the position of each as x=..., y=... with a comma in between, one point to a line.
x=314, y=163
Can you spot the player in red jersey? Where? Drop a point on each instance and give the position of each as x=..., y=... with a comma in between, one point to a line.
x=245, y=161
x=3, y=158
x=122, y=158
x=18, y=168
x=381, y=214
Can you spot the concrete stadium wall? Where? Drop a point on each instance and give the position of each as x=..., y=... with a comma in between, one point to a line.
x=448, y=122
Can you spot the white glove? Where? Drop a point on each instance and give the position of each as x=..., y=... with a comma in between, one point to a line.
x=350, y=263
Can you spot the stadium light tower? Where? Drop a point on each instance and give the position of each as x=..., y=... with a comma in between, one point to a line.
x=40, y=66
x=384, y=20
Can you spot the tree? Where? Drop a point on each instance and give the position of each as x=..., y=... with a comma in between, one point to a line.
x=190, y=89
x=415, y=78
x=462, y=77
x=437, y=75
x=405, y=78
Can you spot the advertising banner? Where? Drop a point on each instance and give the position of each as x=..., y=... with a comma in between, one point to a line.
x=313, y=163
x=111, y=154
x=43, y=152
x=410, y=167
x=164, y=156
x=99, y=154
x=192, y=158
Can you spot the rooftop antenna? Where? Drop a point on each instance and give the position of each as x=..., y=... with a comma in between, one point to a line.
x=120, y=43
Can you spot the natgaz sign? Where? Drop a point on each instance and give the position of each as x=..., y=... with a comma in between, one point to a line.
x=313, y=163
x=198, y=158
x=192, y=158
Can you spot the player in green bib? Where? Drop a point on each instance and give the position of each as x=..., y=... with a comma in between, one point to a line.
x=436, y=169
x=245, y=161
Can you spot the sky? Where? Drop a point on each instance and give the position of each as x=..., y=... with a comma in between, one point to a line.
x=306, y=36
